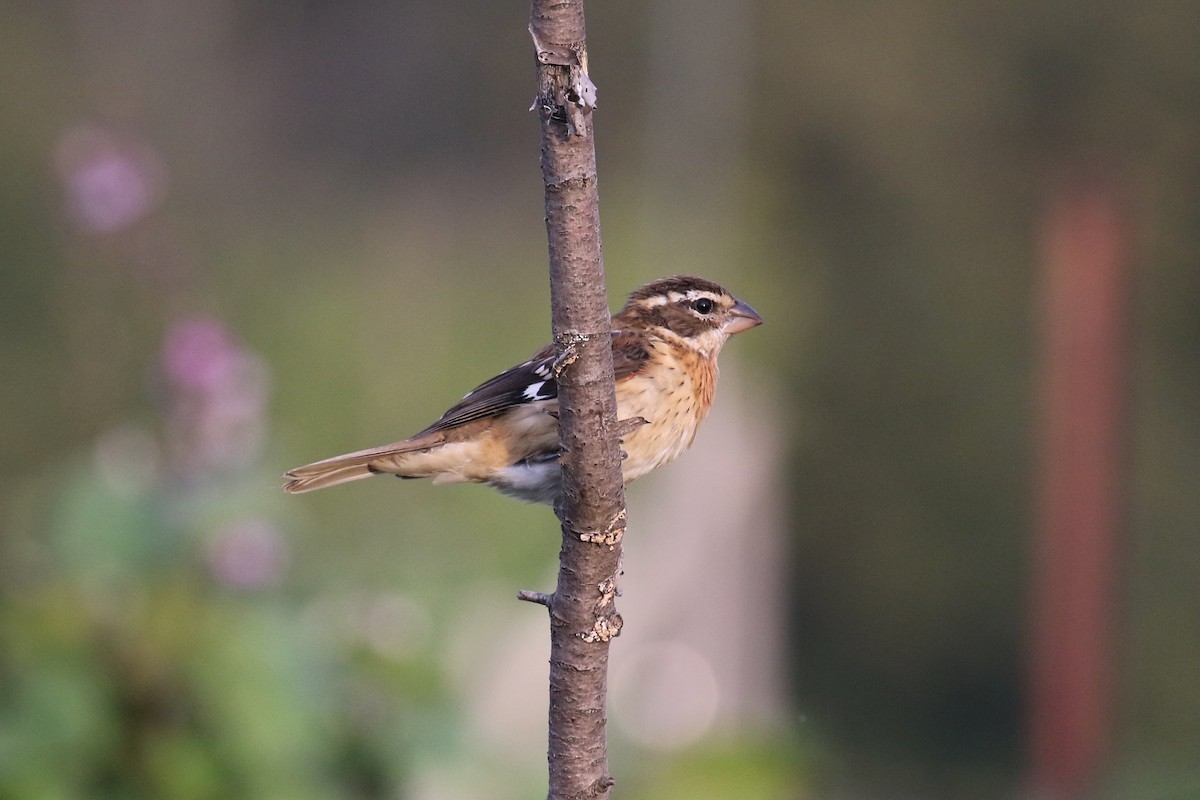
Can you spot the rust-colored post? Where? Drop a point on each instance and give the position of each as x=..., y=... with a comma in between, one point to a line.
x=1080, y=488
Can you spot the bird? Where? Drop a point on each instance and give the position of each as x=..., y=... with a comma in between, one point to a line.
x=504, y=433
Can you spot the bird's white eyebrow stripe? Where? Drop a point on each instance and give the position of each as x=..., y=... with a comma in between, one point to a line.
x=677, y=297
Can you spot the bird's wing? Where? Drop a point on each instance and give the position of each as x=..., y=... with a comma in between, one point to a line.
x=534, y=381
x=527, y=382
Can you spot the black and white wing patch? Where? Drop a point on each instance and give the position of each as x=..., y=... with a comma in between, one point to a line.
x=534, y=381
x=529, y=382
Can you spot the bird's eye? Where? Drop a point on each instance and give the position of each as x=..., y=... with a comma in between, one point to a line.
x=703, y=305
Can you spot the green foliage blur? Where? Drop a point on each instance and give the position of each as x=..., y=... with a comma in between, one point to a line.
x=236, y=237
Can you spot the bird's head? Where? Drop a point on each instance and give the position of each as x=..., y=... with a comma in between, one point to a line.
x=697, y=311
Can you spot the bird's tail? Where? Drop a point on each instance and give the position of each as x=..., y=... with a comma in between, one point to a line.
x=311, y=477
x=348, y=467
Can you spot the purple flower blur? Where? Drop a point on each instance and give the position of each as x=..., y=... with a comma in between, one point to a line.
x=198, y=354
x=109, y=183
x=217, y=393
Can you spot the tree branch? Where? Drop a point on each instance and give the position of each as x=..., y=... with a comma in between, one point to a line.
x=583, y=616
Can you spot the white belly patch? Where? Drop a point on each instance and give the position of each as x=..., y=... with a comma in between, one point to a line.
x=531, y=481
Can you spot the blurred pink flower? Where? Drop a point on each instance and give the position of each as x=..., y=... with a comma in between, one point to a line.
x=198, y=354
x=217, y=398
x=109, y=183
x=248, y=554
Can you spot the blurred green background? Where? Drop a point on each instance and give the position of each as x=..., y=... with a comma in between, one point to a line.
x=239, y=236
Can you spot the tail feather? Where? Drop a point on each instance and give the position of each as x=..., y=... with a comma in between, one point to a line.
x=353, y=466
x=329, y=476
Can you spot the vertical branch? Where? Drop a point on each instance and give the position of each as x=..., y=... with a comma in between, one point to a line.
x=592, y=508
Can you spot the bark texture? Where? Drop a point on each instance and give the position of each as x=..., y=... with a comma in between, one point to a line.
x=583, y=617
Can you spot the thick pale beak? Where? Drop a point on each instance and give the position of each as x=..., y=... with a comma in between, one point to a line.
x=741, y=318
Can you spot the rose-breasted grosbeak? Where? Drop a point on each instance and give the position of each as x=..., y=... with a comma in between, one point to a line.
x=505, y=432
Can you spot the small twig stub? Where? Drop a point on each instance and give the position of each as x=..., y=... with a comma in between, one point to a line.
x=530, y=596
